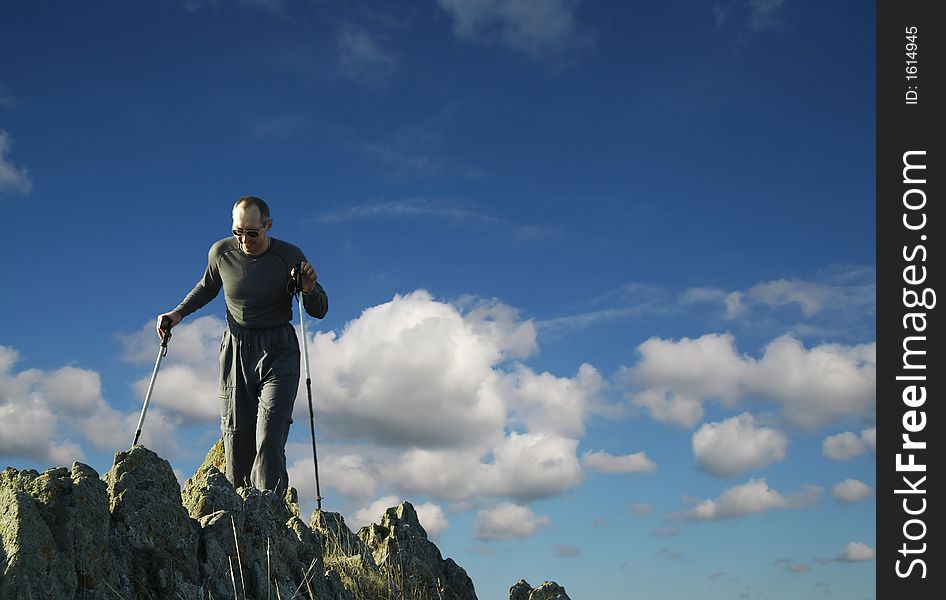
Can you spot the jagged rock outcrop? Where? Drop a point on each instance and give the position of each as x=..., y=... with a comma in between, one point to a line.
x=547, y=591
x=67, y=534
x=400, y=547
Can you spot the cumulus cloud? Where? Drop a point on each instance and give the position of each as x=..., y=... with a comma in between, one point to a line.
x=606, y=463
x=848, y=445
x=507, y=521
x=433, y=519
x=851, y=490
x=373, y=512
x=409, y=372
x=752, y=497
x=537, y=28
x=14, y=180
x=188, y=382
x=424, y=398
x=856, y=552
x=46, y=415
x=737, y=444
x=813, y=387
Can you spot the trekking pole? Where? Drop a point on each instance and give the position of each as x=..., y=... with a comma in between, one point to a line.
x=162, y=352
x=308, y=382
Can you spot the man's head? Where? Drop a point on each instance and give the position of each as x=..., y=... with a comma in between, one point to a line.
x=251, y=216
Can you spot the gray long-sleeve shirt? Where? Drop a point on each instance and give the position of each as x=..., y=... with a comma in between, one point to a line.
x=254, y=286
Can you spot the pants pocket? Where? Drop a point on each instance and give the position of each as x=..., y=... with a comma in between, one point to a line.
x=226, y=397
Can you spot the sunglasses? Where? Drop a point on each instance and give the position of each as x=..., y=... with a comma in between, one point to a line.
x=252, y=233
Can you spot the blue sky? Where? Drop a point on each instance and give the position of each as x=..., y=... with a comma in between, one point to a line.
x=600, y=273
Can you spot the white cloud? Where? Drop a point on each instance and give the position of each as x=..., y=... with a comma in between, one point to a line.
x=607, y=463
x=813, y=387
x=856, y=552
x=363, y=57
x=537, y=28
x=407, y=208
x=851, y=490
x=43, y=415
x=189, y=378
x=840, y=294
x=410, y=372
x=373, y=512
x=432, y=518
x=13, y=179
x=869, y=437
x=430, y=515
x=736, y=445
x=544, y=402
x=848, y=445
x=424, y=381
x=642, y=509
x=508, y=521
x=752, y=497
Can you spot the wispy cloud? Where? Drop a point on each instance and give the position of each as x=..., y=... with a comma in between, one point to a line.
x=365, y=57
x=566, y=551
x=540, y=29
x=7, y=99
x=274, y=6
x=753, y=15
x=13, y=179
x=839, y=300
x=443, y=209
x=793, y=567
x=408, y=208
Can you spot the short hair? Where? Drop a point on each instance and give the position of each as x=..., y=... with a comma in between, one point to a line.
x=259, y=203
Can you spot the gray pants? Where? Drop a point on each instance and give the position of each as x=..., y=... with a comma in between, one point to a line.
x=259, y=377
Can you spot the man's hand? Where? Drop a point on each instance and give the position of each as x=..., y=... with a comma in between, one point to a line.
x=173, y=316
x=309, y=276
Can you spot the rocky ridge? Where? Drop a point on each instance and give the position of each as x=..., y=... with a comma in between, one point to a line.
x=134, y=533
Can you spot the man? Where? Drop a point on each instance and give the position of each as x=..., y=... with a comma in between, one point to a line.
x=259, y=353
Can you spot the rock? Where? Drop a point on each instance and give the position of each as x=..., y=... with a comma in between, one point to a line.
x=55, y=531
x=547, y=591
x=154, y=537
x=401, y=549
x=347, y=558
x=67, y=534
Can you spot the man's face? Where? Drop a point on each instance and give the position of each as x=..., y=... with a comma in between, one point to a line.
x=246, y=218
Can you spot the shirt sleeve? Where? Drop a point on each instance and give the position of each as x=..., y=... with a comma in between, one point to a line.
x=206, y=289
x=316, y=301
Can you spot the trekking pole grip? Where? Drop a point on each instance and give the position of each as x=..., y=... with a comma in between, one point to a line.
x=166, y=328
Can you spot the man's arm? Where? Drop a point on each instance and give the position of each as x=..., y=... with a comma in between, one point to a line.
x=316, y=301
x=314, y=298
x=206, y=290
